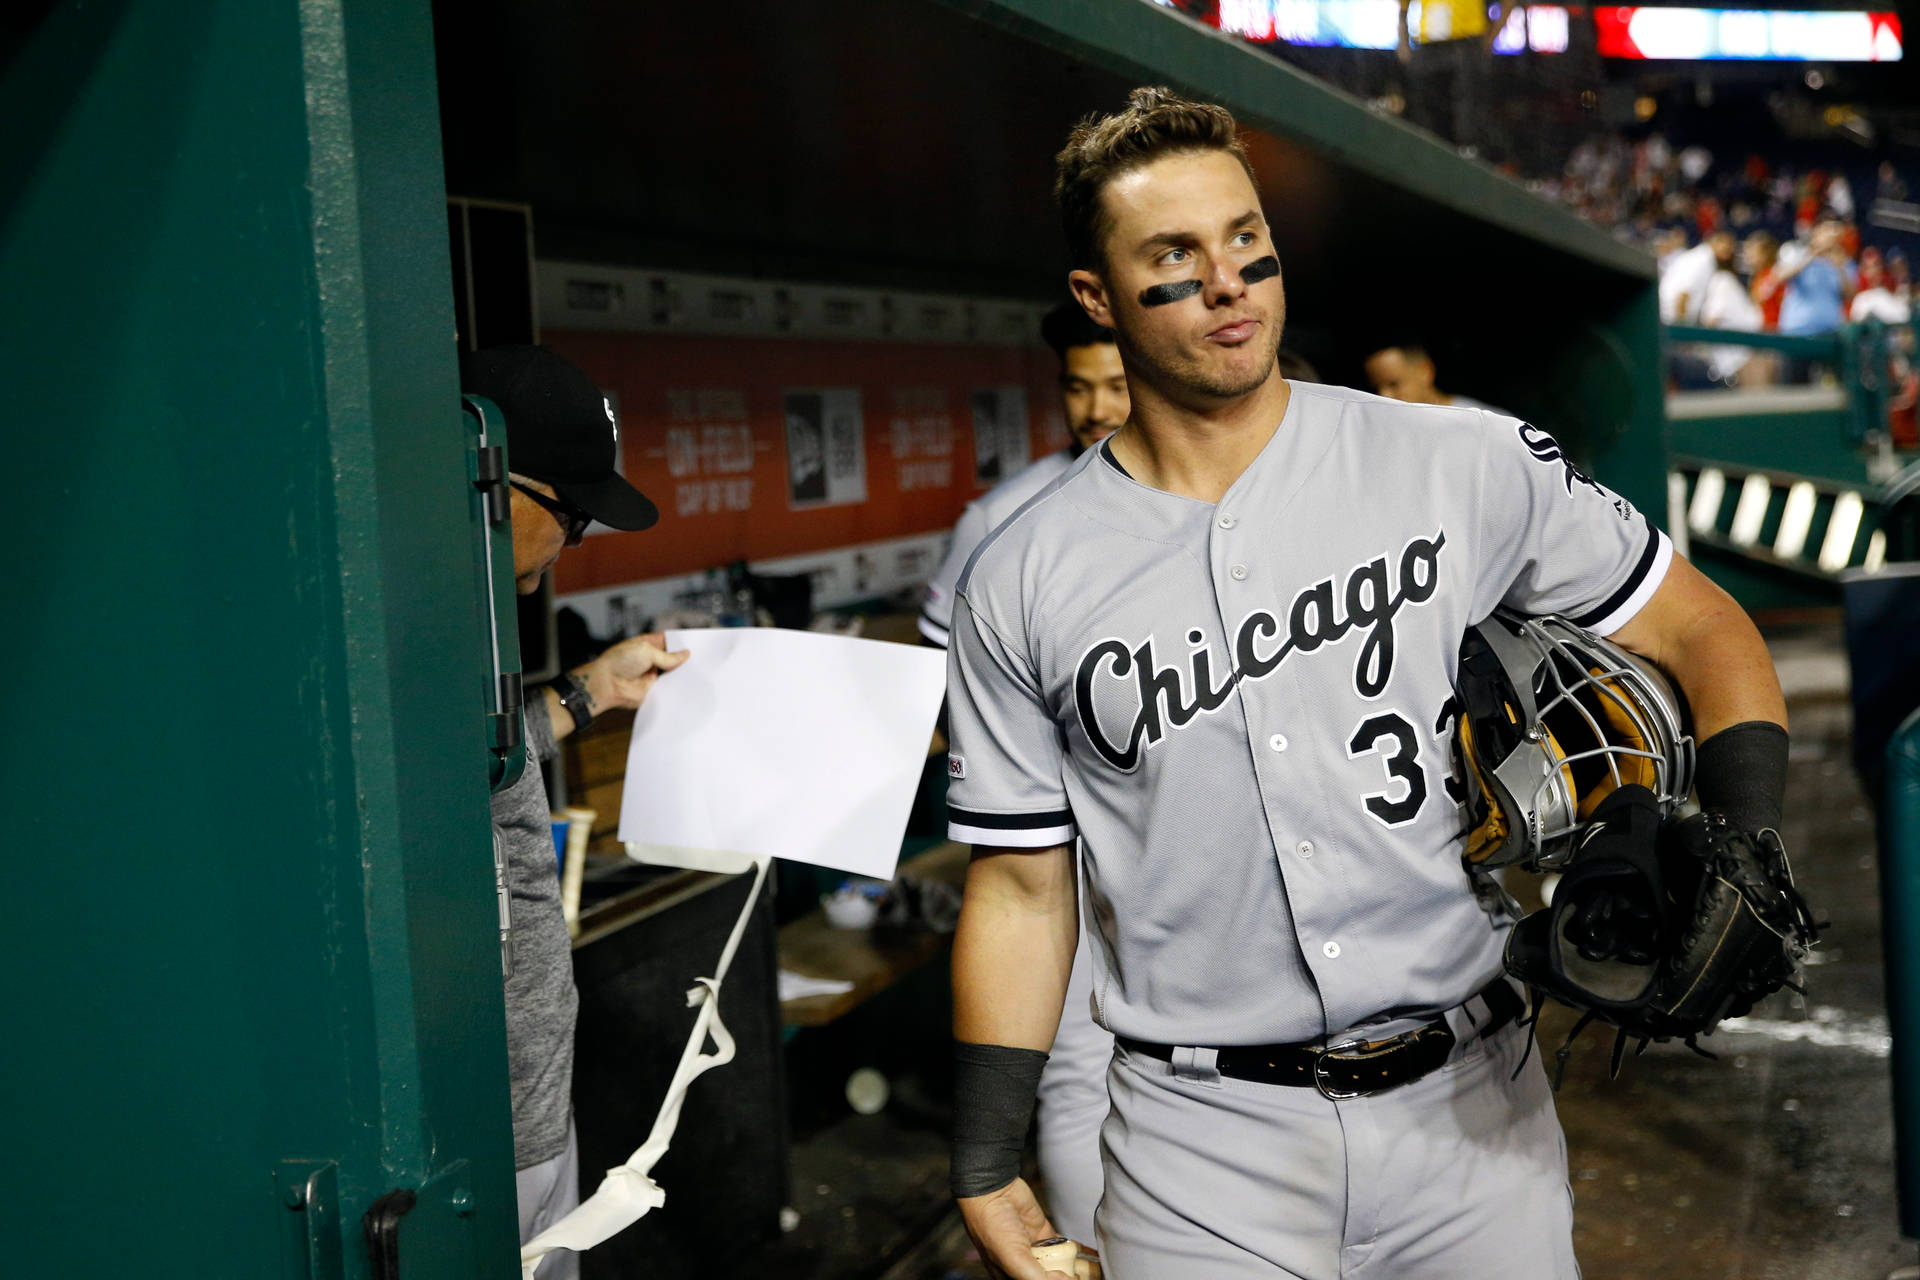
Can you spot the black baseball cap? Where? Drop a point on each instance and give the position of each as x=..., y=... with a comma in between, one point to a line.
x=560, y=430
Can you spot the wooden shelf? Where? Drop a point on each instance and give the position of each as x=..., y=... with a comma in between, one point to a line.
x=872, y=960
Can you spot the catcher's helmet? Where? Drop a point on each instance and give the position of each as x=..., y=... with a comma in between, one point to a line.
x=1554, y=719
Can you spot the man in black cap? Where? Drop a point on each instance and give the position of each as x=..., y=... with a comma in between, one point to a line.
x=561, y=446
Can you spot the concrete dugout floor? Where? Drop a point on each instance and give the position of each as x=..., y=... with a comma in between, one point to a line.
x=1774, y=1161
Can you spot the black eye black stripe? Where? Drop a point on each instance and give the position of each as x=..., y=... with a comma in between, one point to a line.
x=1160, y=295
x=1254, y=272
x=1260, y=269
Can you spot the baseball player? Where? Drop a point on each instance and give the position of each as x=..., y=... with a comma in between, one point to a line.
x=1093, y=391
x=1073, y=1088
x=1404, y=370
x=1217, y=652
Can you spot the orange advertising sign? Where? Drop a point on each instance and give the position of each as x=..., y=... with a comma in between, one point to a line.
x=755, y=450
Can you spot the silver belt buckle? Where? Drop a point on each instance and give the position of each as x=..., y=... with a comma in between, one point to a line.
x=1320, y=1081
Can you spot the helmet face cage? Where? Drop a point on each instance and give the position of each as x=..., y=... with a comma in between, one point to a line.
x=1582, y=717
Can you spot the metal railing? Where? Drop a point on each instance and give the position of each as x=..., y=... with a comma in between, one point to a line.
x=1867, y=361
x=1807, y=476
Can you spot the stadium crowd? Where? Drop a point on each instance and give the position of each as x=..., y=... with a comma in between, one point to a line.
x=1757, y=245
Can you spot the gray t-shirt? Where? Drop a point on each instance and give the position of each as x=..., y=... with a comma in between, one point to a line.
x=1244, y=710
x=541, y=1000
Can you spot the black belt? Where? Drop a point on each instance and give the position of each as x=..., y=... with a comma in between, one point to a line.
x=1350, y=1068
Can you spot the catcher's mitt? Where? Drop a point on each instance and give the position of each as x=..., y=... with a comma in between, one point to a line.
x=1662, y=929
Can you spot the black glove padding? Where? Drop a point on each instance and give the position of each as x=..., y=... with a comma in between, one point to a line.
x=1614, y=924
x=1610, y=901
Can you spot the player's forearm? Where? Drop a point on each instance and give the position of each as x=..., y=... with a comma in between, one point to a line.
x=1014, y=948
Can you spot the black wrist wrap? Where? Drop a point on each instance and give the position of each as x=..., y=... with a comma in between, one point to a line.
x=1742, y=772
x=994, y=1088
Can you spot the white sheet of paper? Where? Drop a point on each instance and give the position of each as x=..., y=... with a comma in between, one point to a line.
x=785, y=744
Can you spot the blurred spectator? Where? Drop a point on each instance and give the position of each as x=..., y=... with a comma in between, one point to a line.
x=1888, y=185
x=1762, y=265
x=1683, y=285
x=1405, y=371
x=1876, y=300
x=1729, y=305
x=1667, y=246
x=1694, y=162
x=1819, y=284
x=1840, y=197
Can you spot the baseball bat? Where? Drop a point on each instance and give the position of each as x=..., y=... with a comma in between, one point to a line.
x=1058, y=1253
x=579, y=830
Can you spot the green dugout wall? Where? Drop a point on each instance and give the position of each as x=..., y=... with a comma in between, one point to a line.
x=253, y=952
x=252, y=955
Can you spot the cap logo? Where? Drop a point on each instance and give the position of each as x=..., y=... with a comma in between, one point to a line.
x=611, y=420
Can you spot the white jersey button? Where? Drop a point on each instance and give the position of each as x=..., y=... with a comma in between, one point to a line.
x=1227, y=522
x=1238, y=571
x=1278, y=742
x=1304, y=848
x=1331, y=951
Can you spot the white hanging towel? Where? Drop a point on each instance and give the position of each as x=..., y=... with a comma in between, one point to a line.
x=628, y=1192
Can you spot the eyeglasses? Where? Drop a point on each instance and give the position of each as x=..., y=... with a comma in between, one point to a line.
x=572, y=523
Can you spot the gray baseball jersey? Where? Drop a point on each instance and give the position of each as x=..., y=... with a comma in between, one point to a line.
x=982, y=516
x=1468, y=402
x=1244, y=709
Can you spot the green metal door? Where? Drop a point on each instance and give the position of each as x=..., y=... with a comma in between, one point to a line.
x=251, y=945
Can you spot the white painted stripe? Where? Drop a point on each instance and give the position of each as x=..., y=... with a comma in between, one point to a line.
x=1825, y=1028
x=1006, y=838
x=1750, y=512
x=1795, y=519
x=1876, y=552
x=1677, y=511
x=1843, y=528
x=1708, y=492
x=1662, y=561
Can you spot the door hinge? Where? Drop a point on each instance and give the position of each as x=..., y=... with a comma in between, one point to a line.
x=309, y=1196
x=438, y=1238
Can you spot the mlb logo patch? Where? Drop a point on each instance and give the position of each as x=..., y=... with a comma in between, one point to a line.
x=956, y=767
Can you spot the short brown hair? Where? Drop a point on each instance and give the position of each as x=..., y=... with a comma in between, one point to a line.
x=1156, y=122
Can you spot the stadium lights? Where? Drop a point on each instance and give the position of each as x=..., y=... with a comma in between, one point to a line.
x=1625, y=31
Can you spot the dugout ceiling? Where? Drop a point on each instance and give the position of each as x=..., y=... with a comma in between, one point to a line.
x=908, y=143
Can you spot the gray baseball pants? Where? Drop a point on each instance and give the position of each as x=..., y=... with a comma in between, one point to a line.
x=1073, y=1106
x=548, y=1192
x=1460, y=1175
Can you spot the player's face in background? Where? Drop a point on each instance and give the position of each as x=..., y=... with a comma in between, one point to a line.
x=1399, y=376
x=1188, y=217
x=1093, y=388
